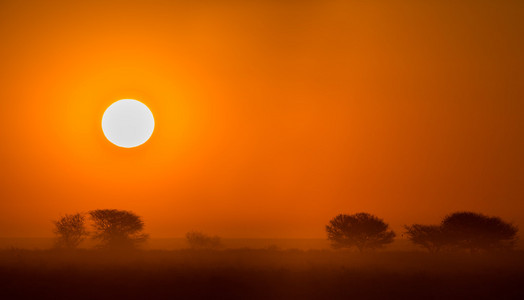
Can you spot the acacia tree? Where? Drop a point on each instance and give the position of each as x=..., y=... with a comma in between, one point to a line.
x=70, y=231
x=361, y=230
x=430, y=237
x=199, y=240
x=117, y=229
x=473, y=231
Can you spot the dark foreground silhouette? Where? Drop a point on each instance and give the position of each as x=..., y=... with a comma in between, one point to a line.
x=259, y=274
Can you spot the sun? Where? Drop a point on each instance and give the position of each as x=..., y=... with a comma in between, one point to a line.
x=128, y=123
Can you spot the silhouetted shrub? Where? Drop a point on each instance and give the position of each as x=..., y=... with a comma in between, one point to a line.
x=473, y=231
x=199, y=240
x=117, y=229
x=70, y=231
x=430, y=237
x=361, y=230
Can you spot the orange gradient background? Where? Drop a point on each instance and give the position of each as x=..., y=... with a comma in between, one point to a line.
x=271, y=116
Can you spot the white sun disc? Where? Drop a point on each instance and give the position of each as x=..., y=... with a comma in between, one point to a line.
x=128, y=123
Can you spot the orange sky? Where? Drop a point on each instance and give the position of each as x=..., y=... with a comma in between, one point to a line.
x=271, y=116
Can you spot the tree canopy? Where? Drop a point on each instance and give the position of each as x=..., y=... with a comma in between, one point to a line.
x=70, y=230
x=474, y=231
x=361, y=230
x=117, y=228
x=199, y=240
x=430, y=237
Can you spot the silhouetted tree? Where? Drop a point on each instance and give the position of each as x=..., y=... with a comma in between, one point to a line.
x=70, y=231
x=199, y=240
x=430, y=237
x=475, y=231
x=361, y=230
x=117, y=229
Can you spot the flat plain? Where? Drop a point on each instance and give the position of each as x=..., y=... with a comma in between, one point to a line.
x=259, y=274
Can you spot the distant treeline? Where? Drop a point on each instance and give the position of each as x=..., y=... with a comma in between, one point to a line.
x=459, y=231
x=115, y=229
x=112, y=228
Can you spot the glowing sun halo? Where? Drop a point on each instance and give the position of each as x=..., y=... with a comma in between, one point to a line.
x=128, y=123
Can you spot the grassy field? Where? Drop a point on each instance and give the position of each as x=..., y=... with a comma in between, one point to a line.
x=258, y=274
x=181, y=243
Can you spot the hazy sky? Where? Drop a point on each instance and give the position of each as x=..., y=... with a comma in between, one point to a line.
x=271, y=117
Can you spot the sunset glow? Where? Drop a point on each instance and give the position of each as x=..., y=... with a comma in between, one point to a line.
x=265, y=149
x=270, y=117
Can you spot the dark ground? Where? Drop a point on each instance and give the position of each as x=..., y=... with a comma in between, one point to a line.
x=258, y=274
